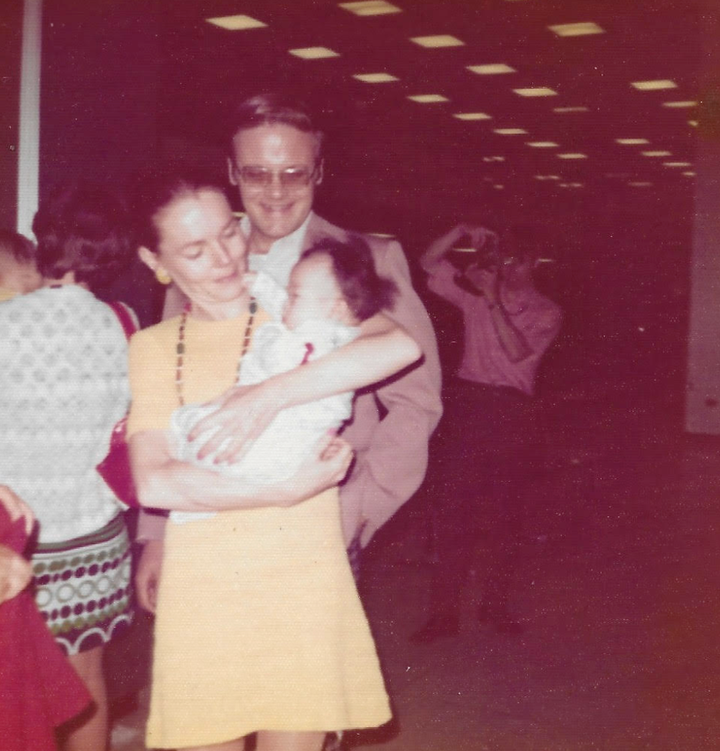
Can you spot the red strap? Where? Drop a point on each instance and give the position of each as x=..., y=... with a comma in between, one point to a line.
x=126, y=320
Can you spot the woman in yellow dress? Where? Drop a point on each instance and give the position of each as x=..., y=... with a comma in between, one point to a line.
x=259, y=627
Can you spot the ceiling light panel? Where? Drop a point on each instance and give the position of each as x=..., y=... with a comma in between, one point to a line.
x=371, y=8
x=472, y=116
x=654, y=85
x=657, y=153
x=547, y=177
x=677, y=164
x=573, y=155
x=438, y=40
x=563, y=110
x=236, y=23
x=510, y=131
x=689, y=174
x=493, y=69
x=576, y=29
x=632, y=141
x=680, y=105
x=640, y=184
x=428, y=98
x=537, y=91
x=493, y=159
x=375, y=77
x=313, y=53
x=543, y=144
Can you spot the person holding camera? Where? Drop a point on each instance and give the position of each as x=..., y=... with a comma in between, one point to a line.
x=488, y=435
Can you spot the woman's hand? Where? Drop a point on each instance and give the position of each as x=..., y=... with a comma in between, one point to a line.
x=15, y=573
x=325, y=468
x=147, y=578
x=17, y=508
x=243, y=413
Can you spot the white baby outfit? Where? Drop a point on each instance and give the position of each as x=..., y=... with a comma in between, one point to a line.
x=280, y=450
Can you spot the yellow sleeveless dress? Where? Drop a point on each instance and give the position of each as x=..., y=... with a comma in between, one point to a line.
x=259, y=625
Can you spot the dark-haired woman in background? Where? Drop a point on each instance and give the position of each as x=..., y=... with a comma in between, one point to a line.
x=63, y=387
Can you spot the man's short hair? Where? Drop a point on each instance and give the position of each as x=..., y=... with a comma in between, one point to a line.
x=271, y=109
x=17, y=246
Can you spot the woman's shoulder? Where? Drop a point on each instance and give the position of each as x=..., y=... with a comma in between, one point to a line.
x=163, y=334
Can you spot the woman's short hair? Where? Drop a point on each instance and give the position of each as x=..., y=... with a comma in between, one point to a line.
x=16, y=246
x=82, y=228
x=271, y=109
x=364, y=290
x=156, y=192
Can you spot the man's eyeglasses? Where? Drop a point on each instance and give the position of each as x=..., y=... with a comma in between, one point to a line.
x=259, y=177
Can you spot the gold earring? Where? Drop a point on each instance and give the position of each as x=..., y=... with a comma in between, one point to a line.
x=162, y=276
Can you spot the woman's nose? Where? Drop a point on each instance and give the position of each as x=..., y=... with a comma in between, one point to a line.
x=223, y=254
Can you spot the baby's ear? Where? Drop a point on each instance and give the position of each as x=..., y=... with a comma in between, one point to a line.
x=342, y=313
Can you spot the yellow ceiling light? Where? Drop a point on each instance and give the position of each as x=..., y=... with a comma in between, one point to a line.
x=493, y=69
x=375, y=77
x=370, y=8
x=656, y=153
x=542, y=144
x=576, y=29
x=677, y=164
x=693, y=123
x=632, y=141
x=499, y=187
x=547, y=177
x=689, y=173
x=493, y=159
x=313, y=53
x=563, y=110
x=681, y=105
x=384, y=235
x=428, y=98
x=510, y=131
x=654, y=85
x=236, y=23
x=472, y=116
x=571, y=185
x=573, y=155
x=438, y=40
x=639, y=183
x=537, y=91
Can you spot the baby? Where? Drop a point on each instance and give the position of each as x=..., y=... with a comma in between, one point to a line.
x=332, y=289
x=18, y=273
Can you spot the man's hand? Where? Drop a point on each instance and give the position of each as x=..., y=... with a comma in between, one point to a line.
x=147, y=578
x=17, y=508
x=15, y=573
x=487, y=281
x=242, y=415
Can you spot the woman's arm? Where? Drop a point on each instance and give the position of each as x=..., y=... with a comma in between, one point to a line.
x=383, y=349
x=165, y=483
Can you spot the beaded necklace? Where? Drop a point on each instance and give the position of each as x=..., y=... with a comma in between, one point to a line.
x=180, y=347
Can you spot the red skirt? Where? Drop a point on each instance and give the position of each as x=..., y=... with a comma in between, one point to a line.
x=39, y=690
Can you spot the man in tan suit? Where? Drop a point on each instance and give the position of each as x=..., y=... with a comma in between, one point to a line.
x=275, y=161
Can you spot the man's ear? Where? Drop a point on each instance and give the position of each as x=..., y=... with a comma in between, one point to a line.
x=319, y=172
x=149, y=258
x=231, y=172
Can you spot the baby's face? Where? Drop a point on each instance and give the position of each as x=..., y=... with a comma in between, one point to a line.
x=19, y=277
x=313, y=293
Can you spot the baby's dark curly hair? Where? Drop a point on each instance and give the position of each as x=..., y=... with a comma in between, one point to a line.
x=83, y=228
x=364, y=290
